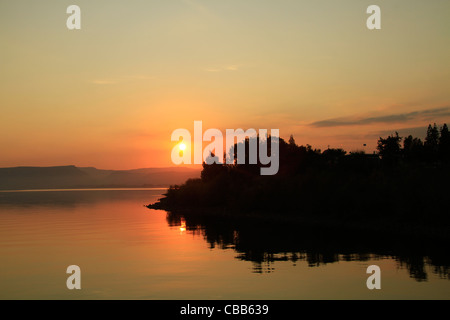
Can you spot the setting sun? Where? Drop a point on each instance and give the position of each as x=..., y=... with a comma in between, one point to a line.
x=305, y=143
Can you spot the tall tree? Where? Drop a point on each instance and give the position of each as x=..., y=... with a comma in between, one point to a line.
x=432, y=138
x=444, y=143
x=412, y=148
x=432, y=142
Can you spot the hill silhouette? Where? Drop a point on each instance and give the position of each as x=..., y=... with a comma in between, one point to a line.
x=61, y=177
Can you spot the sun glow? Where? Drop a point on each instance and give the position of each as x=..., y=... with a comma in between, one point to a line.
x=182, y=146
x=182, y=227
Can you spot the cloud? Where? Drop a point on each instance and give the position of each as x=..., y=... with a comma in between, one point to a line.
x=223, y=68
x=232, y=68
x=429, y=114
x=103, y=81
x=419, y=132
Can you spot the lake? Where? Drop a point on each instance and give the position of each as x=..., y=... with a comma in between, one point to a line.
x=126, y=251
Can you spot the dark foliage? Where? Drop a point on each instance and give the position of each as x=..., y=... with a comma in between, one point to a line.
x=397, y=186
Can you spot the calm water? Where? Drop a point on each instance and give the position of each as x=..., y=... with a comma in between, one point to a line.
x=126, y=251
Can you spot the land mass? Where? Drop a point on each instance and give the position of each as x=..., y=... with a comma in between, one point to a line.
x=398, y=189
x=69, y=177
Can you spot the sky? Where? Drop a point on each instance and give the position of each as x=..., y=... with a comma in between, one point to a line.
x=110, y=95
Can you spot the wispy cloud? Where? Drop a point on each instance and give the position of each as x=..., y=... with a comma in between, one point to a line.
x=223, y=68
x=103, y=81
x=430, y=115
x=403, y=132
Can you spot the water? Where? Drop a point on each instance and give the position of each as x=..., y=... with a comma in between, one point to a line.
x=126, y=251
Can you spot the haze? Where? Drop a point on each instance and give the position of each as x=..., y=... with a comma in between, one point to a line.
x=110, y=94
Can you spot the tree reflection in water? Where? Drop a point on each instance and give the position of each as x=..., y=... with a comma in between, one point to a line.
x=265, y=242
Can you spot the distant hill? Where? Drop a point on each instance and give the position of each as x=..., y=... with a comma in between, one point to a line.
x=79, y=177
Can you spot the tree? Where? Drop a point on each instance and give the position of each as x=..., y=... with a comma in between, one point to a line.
x=389, y=148
x=292, y=141
x=412, y=148
x=333, y=156
x=444, y=143
x=432, y=141
x=211, y=171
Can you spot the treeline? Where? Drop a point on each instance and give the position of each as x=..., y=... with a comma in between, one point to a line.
x=405, y=183
x=436, y=147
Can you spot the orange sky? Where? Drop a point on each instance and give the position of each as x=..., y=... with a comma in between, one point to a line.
x=110, y=95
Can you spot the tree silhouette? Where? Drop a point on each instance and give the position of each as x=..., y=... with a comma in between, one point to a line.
x=444, y=143
x=211, y=168
x=412, y=148
x=292, y=141
x=432, y=142
x=333, y=156
x=389, y=148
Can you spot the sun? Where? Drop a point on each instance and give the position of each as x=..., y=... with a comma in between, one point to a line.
x=182, y=146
